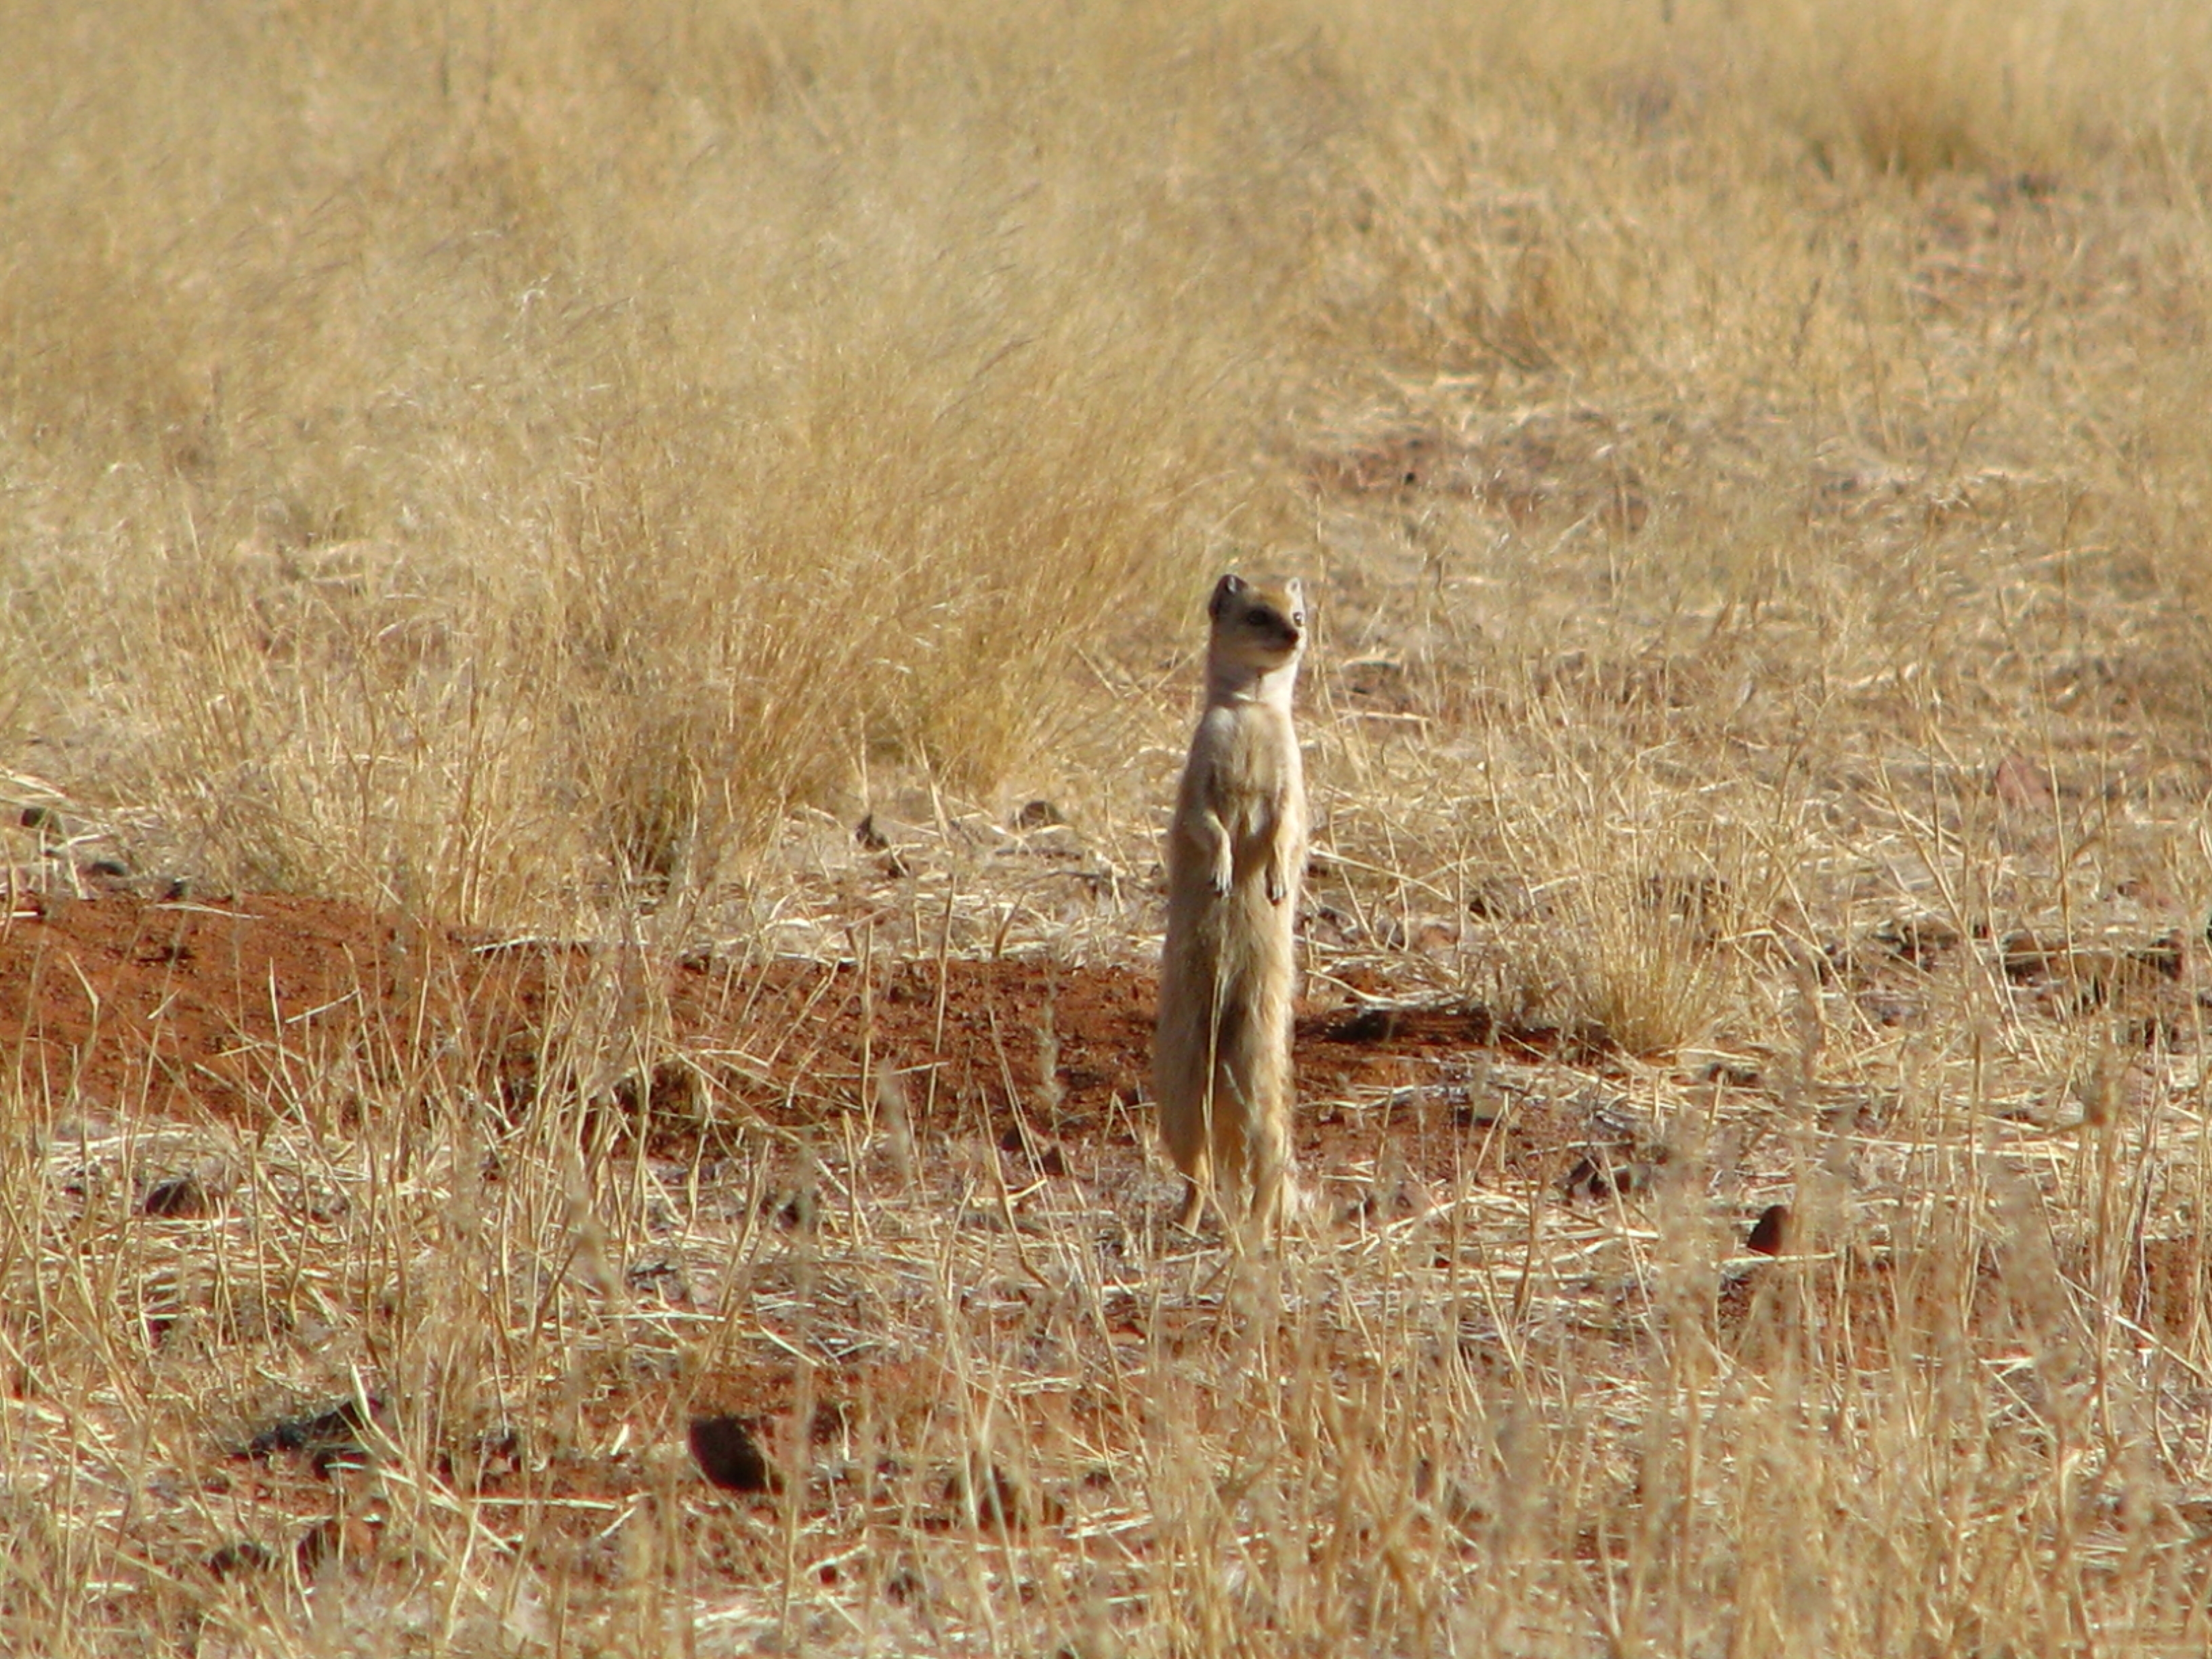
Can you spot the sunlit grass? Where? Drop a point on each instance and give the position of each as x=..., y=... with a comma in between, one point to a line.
x=562, y=472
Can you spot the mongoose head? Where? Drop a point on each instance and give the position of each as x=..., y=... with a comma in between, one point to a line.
x=1258, y=627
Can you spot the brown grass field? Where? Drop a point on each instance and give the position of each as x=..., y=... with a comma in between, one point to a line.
x=599, y=609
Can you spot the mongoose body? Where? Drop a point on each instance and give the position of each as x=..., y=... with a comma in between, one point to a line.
x=1235, y=860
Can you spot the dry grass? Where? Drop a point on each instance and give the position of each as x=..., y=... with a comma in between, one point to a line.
x=561, y=471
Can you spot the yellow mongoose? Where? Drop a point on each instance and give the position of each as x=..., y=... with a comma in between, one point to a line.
x=1236, y=858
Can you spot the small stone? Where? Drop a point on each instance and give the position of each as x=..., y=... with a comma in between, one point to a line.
x=243, y=1557
x=1771, y=1233
x=339, y=1539
x=331, y=1439
x=180, y=1198
x=730, y=1455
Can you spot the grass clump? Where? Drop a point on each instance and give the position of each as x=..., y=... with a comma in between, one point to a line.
x=596, y=441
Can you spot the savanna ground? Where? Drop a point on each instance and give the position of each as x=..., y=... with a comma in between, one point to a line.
x=598, y=611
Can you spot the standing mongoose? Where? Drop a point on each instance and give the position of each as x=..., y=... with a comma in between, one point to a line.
x=1236, y=858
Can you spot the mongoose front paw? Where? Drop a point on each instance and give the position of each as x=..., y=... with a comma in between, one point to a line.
x=1278, y=890
x=1223, y=857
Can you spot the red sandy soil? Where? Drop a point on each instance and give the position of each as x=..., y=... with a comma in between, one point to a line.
x=118, y=1005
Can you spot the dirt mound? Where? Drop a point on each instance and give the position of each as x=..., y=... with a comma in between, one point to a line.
x=121, y=1005
x=115, y=1003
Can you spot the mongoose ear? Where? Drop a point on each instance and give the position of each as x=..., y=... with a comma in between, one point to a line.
x=1224, y=591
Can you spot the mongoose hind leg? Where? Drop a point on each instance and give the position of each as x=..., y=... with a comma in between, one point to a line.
x=1194, y=1204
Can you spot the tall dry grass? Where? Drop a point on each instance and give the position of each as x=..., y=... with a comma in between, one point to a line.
x=512, y=453
x=495, y=461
